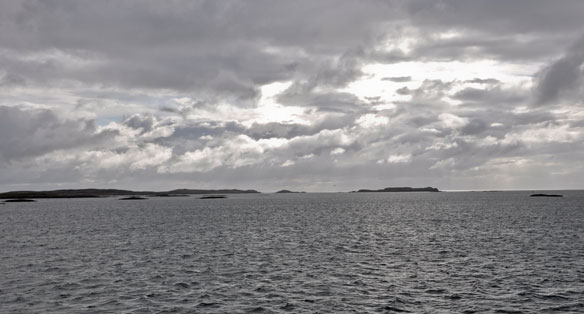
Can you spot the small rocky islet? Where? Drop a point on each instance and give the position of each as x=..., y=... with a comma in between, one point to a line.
x=19, y=200
x=208, y=197
x=545, y=195
x=133, y=198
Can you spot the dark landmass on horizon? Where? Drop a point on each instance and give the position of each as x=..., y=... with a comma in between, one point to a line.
x=90, y=193
x=402, y=189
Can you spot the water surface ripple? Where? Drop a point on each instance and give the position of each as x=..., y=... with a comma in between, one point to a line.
x=301, y=253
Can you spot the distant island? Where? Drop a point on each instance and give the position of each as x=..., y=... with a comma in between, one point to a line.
x=210, y=197
x=402, y=189
x=89, y=193
x=545, y=195
x=288, y=191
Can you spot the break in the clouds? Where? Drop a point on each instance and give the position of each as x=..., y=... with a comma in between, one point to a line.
x=310, y=95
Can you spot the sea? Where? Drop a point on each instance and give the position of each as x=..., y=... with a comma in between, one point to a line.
x=449, y=252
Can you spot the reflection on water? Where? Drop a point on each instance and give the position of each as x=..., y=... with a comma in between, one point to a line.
x=293, y=253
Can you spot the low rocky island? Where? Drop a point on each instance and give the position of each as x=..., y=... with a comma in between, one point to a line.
x=132, y=198
x=403, y=189
x=545, y=195
x=19, y=200
x=288, y=191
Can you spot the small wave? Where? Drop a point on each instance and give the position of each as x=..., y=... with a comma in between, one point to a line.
x=388, y=309
x=182, y=285
x=552, y=297
x=576, y=307
x=209, y=304
x=505, y=311
x=288, y=307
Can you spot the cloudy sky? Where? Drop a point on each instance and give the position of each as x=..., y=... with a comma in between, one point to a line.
x=307, y=95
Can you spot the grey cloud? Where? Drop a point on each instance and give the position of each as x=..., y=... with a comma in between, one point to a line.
x=519, y=16
x=563, y=77
x=506, y=30
x=340, y=71
x=532, y=117
x=212, y=128
x=490, y=81
x=144, y=122
x=11, y=79
x=474, y=127
x=403, y=91
x=149, y=124
x=26, y=133
x=510, y=47
x=332, y=121
x=397, y=79
x=494, y=96
x=431, y=90
x=279, y=130
x=303, y=94
x=188, y=45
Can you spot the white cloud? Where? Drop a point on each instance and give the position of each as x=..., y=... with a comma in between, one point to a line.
x=398, y=158
x=545, y=134
x=371, y=120
x=288, y=163
x=338, y=151
x=452, y=121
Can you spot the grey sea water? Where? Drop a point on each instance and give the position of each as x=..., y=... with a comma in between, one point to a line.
x=471, y=252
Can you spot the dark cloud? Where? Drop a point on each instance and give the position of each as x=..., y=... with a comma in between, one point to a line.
x=467, y=47
x=305, y=94
x=484, y=81
x=431, y=90
x=226, y=48
x=143, y=122
x=278, y=130
x=474, y=127
x=11, y=79
x=403, y=91
x=563, y=78
x=397, y=79
x=26, y=133
x=519, y=16
x=494, y=96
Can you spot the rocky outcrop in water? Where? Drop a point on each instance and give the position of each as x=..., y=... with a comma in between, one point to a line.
x=545, y=195
x=206, y=197
x=132, y=198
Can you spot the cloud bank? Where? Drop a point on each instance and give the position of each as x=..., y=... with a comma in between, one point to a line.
x=317, y=96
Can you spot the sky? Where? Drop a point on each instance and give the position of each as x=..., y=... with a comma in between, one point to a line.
x=303, y=95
